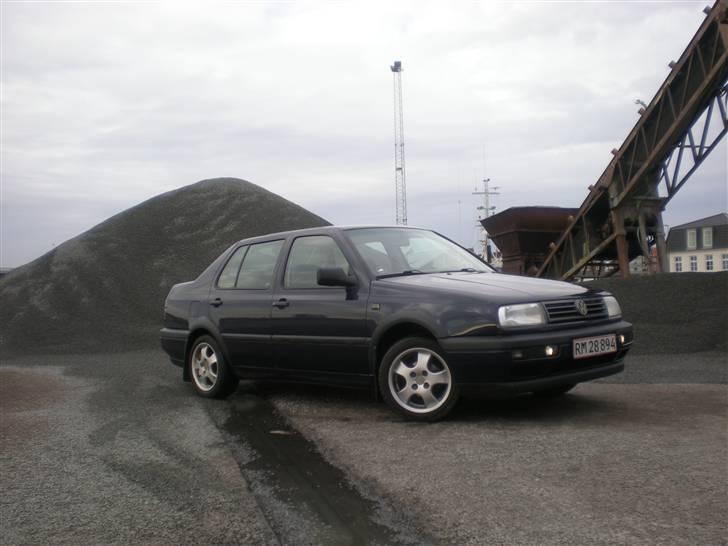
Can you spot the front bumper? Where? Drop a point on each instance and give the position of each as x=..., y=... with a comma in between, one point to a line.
x=489, y=363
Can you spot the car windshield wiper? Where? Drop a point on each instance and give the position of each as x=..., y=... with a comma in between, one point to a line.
x=404, y=273
x=464, y=270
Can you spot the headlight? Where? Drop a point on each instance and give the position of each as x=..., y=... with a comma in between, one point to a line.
x=525, y=314
x=613, y=308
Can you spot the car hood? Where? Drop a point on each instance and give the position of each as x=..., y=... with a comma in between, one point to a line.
x=495, y=286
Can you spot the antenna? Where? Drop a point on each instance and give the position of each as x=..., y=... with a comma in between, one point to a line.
x=486, y=209
x=400, y=187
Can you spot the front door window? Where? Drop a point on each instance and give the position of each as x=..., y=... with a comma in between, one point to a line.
x=308, y=254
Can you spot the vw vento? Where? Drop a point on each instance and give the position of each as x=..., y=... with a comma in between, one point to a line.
x=404, y=311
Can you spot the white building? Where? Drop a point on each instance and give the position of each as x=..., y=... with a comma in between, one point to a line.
x=699, y=246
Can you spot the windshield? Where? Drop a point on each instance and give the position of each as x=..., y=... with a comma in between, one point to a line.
x=403, y=251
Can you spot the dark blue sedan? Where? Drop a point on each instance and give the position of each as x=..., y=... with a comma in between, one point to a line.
x=403, y=311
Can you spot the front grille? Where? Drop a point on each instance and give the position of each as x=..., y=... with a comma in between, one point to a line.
x=567, y=311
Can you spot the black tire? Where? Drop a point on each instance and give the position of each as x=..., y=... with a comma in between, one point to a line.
x=211, y=376
x=401, y=392
x=554, y=391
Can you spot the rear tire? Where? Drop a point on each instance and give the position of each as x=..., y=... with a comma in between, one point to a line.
x=210, y=374
x=416, y=381
x=555, y=391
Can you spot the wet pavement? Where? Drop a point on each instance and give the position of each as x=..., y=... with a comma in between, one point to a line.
x=303, y=495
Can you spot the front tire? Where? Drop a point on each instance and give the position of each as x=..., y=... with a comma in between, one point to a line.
x=211, y=376
x=416, y=381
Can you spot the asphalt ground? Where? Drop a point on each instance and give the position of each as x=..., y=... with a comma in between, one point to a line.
x=115, y=448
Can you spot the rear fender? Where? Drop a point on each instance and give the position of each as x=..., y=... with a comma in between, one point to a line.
x=202, y=326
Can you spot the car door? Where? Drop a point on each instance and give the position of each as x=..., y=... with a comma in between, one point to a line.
x=240, y=304
x=315, y=328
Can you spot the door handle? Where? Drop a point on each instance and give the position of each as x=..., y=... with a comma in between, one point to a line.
x=281, y=303
x=217, y=302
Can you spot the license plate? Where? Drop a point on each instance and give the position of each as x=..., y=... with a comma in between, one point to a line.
x=585, y=347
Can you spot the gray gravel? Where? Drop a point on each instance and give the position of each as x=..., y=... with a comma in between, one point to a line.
x=114, y=449
x=674, y=312
x=709, y=367
x=608, y=464
x=104, y=290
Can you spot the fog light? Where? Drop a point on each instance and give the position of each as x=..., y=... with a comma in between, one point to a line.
x=550, y=350
x=517, y=355
x=621, y=339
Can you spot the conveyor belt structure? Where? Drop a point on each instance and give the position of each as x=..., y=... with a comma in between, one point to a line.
x=621, y=217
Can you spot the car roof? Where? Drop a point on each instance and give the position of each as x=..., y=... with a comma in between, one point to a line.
x=321, y=230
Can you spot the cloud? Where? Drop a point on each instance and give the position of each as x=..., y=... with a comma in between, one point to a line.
x=106, y=104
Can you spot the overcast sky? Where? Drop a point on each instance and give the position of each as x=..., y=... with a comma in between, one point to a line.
x=107, y=104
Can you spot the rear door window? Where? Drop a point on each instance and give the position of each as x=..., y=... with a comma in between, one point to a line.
x=256, y=272
x=229, y=275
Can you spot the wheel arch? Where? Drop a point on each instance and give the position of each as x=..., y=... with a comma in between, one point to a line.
x=198, y=330
x=389, y=335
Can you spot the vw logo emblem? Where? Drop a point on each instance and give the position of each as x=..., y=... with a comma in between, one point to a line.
x=581, y=307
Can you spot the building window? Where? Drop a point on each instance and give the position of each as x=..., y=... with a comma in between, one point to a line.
x=693, y=263
x=709, y=262
x=725, y=262
x=707, y=237
x=678, y=264
x=692, y=239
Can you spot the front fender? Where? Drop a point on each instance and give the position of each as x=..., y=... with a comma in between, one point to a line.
x=387, y=321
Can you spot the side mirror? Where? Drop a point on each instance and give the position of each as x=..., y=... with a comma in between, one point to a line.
x=334, y=276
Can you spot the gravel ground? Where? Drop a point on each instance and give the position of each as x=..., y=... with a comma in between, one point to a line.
x=608, y=464
x=673, y=368
x=114, y=448
x=102, y=449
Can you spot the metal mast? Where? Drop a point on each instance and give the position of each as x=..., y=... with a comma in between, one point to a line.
x=486, y=209
x=399, y=172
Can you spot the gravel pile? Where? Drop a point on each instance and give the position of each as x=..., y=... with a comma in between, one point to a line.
x=105, y=289
x=674, y=312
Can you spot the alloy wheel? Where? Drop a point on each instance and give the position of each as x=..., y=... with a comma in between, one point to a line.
x=204, y=367
x=419, y=380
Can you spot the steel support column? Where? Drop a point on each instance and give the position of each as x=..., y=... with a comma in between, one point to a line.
x=622, y=254
x=683, y=123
